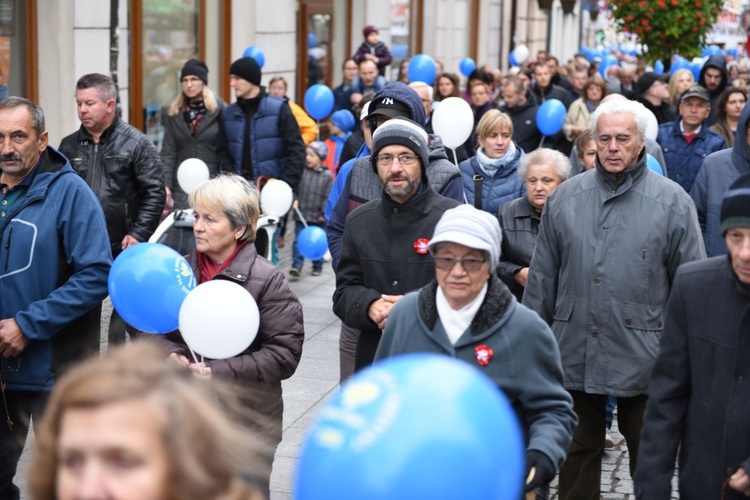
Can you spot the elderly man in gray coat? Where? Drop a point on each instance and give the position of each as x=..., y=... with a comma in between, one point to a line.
x=610, y=242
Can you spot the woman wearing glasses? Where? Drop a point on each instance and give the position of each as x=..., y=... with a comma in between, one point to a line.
x=541, y=171
x=468, y=313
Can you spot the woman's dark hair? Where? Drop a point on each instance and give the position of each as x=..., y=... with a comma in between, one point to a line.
x=454, y=80
x=721, y=102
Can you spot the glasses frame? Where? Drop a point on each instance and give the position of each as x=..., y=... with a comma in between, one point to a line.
x=404, y=159
x=470, y=265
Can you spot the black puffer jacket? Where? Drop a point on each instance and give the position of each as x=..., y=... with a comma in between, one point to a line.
x=124, y=171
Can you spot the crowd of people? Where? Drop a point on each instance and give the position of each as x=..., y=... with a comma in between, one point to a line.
x=605, y=265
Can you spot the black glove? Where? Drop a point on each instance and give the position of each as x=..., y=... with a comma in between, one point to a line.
x=544, y=471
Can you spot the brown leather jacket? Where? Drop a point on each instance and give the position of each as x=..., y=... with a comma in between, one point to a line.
x=274, y=354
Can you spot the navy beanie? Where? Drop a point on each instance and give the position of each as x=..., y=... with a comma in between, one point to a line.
x=194, y=67
x=405, y=133
x=246, y=68
x=735, y=207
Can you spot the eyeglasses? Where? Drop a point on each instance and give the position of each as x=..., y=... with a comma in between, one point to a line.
x=469, y=265
x=404, y=159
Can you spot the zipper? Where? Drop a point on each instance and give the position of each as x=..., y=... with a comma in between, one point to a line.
x=7, y=247
x=93, y=169
x=643, y=252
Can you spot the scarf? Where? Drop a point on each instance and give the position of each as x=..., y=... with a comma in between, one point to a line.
x=193, y=113
x=456, y=321
x=489, y=165
x=209, y=269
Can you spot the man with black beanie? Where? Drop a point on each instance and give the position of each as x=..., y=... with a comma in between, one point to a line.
x=699, y=395
x=260, y=136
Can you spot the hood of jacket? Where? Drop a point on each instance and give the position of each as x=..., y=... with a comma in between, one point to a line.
x=403, y=93
x=435, y=149
x=739, y=150
x=719, y=63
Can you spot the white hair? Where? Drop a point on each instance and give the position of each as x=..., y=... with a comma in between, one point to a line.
x=544, y=156
x=421, y=85
x=622, y=106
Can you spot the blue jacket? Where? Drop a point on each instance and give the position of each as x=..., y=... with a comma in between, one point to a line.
x=55, y=257
x=340, y=181
x=718, y=172
x=496, y=190
x=683, y=159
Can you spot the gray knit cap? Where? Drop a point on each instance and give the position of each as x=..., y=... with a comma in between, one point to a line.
x=472, y=228
x=405, y=133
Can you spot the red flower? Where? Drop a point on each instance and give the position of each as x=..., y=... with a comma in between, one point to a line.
x=642, y=4
x=662, y=4
x=629, y=18
x=675, y=3
x=698, y=4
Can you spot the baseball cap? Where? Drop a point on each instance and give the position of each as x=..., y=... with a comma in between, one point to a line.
x=698, y=91
x=390, y=107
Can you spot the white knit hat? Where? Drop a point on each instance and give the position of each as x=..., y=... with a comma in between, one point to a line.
x=471, y=228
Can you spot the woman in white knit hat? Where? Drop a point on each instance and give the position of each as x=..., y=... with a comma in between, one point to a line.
x=468, y=313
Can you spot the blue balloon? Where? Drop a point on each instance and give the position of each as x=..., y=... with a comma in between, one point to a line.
x=413, y=426
x=319, y=101
x=256, y=53
x=659, y=67
x=609, y=60
x=312, y=242
x=312, y=40
x=696, y=68
x=467, y=65
x=512, y=60
x=147, y=284
x=422, y=69
x=678, y=64
x=653, y=164
x=732, y=51
x=550, y=116
x=711, y=50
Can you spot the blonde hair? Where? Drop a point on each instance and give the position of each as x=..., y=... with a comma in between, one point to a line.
x=233, y=196
x=209, y=100
x=490, y=121
x=674, y=96
x=210, y=450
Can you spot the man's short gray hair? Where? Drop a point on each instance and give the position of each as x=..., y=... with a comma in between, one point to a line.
x=36, y=112
x=622, y=106
x=103, y=84
x=423, y=85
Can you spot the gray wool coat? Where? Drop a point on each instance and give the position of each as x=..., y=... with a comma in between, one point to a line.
x=603, y=265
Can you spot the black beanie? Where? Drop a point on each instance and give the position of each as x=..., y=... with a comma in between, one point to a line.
x=246, y=68
x=405, y=133
x=194, y=67
x=735, y=207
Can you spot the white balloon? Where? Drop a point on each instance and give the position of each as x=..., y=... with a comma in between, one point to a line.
x=652, y=127
x=521, y=53
x=276, y=198
x=191, y=173
x=219, y=319
x=453, y=121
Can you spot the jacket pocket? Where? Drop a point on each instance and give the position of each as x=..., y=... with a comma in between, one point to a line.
x=642, y=317
x=564, y=308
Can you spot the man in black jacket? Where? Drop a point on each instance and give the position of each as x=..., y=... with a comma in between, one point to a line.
x=122, y=167
x=653, y=93
x=522, y=113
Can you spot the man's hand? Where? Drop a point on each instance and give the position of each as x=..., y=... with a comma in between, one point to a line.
x=740, y=481
x=521, y=276
x=380, y=309
x=12, y=340
x=179, y=359
x=372, y=57
x=128, y=241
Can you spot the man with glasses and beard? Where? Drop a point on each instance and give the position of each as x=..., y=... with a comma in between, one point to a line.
x=385, y=250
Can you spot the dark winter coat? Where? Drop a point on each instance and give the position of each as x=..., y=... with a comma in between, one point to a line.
x=379, y=50
x=719, y=63
x=525, y=132
x=124, y=171
x=179, y=145
x=718, y=172
x=699, y=392
x=520, y=224
x=381, y=255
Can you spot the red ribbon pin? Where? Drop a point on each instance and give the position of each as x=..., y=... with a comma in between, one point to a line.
x=483, y=354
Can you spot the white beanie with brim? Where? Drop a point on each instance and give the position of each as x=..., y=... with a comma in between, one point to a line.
x=472, y=228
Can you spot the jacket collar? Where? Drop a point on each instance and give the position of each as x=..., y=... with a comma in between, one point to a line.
x=495, y=303
x=105, y=135
x=526, y=210
x=421, y=203
x=631, y=176
x=239, y=270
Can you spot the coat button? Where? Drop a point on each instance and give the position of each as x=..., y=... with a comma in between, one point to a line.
x=594, y=333
x=395, y=210
x=628, y=321
x=659, y=324
x=597, y=280
x=394, y=283
x=740, y=379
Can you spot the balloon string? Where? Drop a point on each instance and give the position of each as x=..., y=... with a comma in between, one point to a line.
x=195, y=358
x=541, y=143
x=455, y=158
x=301, y=218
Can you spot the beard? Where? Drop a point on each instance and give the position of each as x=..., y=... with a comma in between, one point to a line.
x=401, y=192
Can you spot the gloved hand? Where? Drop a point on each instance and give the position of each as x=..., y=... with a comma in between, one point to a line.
x=544, y=470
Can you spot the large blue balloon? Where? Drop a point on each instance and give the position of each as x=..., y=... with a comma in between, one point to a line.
x=147, y=284
x=550, y=116
x=659, y=67
x=319, y=101
x=256, y=53
x=312, y=243
x=696, y=68
x=711, y=50
x=512, y=60
x=653, y=164
x=422, y=69
x=467, y=65
x=679, y=63
x=609, y=60
x=414, y=426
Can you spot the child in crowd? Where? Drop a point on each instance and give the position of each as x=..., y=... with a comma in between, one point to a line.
x=373, y=49
x=340, y=126
x=314, y=189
